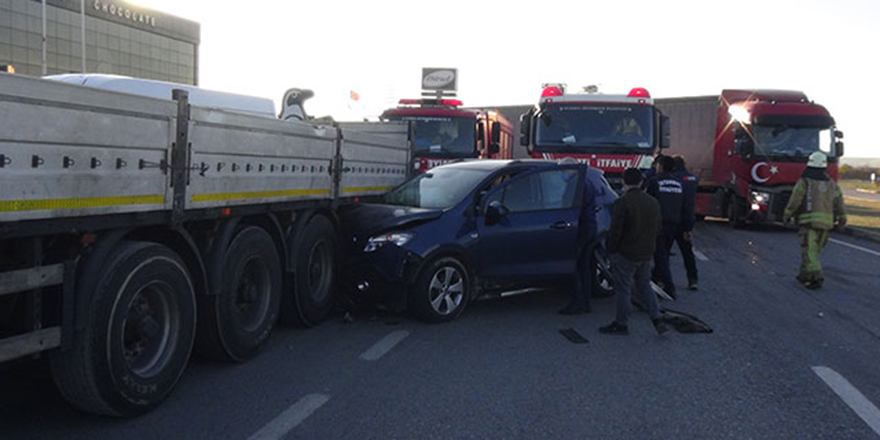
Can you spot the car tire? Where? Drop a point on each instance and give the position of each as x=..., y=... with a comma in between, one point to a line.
x=441, y=292
x=603, y=286
x=237, y=322
x=139, y=335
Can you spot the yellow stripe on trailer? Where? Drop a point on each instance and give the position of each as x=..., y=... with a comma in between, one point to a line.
x=78, y=203
x=225, y=197
x=367, y=189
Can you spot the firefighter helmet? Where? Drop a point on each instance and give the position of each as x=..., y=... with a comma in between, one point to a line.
x=818, y=160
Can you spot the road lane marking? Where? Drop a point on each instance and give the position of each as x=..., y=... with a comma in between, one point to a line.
x=851, y=396
x=858, y=248
x=291, y=418
x=384, y=345
x=700, y=256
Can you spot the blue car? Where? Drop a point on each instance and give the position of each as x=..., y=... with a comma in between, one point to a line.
x=471, y=228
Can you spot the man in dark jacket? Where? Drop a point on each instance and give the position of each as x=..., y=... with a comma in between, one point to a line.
x=587, y=235
x=685, y=236
x=631, y=241
x=668, y=191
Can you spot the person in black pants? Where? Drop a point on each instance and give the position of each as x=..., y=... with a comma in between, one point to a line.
x=685, y=236
x=586, y=243
x=667, y=189
x=631, y=241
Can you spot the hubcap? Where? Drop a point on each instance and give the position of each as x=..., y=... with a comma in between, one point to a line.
x=149, y=329
x=446, y=290
x=252, y=295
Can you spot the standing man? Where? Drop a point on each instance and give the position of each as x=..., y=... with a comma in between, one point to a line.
x=586, y=242
x=669, y=193
x=685, y=236
x=817, y=205
x=635, y=223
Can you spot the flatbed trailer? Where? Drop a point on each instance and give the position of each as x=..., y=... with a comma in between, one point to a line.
x=134, y=230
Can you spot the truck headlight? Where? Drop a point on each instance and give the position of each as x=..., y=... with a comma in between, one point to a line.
x=760, y=197
x=396, y=238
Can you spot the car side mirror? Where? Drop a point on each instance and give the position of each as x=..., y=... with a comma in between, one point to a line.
x=665, y=130
x=496, y=132
x=838, y=134
x=838, y=148
x=495, y=212
x=494, y=148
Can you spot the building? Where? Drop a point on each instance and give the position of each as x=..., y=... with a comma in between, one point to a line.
x=121, y=39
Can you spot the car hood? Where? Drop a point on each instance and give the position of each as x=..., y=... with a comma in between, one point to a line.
x=367, y=219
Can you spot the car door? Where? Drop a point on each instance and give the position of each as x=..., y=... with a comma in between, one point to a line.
x=536, y=237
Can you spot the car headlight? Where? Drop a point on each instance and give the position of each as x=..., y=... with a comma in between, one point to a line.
x=396, y=238
x=760, y=198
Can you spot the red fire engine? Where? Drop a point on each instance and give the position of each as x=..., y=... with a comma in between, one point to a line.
x=609, y=132
x=443, y=131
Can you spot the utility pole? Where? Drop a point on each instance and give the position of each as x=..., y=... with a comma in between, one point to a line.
x=45, y=67
x=82, y=32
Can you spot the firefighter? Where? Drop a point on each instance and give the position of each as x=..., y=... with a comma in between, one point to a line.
x=685, y=235
x=668, y=191
x=817, y=205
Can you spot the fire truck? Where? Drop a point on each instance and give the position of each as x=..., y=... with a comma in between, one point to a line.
x=748, y=148
x=444, y=132
x=609, y=132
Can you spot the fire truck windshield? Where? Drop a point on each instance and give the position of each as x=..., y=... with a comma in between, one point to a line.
x=442, y=136
x=793, y=142
x=578, y=125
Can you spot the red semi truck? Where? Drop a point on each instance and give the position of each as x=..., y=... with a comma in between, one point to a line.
x=609, y=132
x=748, y=148
x=444, y=132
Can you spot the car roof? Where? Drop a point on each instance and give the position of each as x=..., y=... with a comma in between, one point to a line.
x=497, y=164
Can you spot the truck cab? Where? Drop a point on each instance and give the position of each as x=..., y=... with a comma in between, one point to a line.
x=444, y=132
x=764, y=139
x=609, y=132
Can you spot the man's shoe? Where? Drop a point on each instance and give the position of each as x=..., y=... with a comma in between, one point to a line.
x=574, y=310
x=614, y=329
x=813, y=285
x=660, y=326
x=692, y=285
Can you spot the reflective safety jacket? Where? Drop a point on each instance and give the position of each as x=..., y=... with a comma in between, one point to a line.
x=816, y=203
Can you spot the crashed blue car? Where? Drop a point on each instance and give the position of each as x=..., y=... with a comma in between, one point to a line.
x=471, y=228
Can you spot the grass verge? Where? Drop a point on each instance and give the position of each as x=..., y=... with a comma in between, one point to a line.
x=863, y=214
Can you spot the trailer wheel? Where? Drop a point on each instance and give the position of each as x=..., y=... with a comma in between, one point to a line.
x=235, y=324
x=313, y=293
x=735, y=215
x=139, y=334
x=441, y=291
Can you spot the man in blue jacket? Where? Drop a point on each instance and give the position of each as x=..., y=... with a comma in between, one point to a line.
x=685, y=236
x=587, y=236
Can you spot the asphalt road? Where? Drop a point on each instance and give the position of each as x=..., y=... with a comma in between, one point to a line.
x=503, y=371
x=871, y=197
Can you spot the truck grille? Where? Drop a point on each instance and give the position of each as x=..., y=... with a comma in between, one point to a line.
x=780, y=201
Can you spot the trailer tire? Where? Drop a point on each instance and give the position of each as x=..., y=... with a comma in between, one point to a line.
x=237, y=322
x=441, y=291
x=138, y=336
x=314, y=282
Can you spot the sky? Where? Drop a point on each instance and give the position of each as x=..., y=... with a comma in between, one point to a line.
x=505, y=50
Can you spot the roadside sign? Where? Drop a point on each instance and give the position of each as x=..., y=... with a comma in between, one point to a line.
x=439, y=79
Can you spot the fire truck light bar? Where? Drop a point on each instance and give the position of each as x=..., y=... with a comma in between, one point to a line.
x=639, y=92
x=551, y=91
x=430, y=102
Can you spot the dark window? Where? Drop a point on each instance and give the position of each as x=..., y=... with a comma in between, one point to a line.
x=544, y=191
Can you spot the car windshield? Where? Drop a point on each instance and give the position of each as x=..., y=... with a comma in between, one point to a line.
x=574, y=126
x=439, y=188
x=442, y=136
x=790, y=141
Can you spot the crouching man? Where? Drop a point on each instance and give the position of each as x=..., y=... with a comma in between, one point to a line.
x=631, y=242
